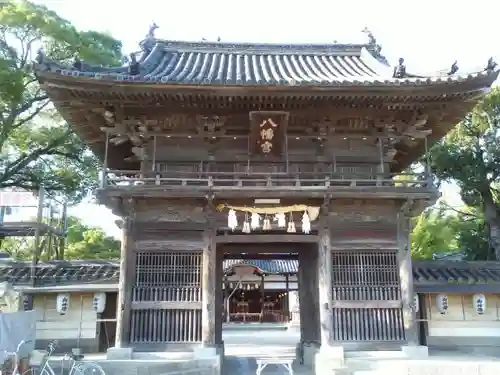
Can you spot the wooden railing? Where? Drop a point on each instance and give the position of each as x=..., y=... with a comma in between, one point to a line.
x=276, y=181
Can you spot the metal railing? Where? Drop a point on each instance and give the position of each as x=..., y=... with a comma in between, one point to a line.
x=277, y=181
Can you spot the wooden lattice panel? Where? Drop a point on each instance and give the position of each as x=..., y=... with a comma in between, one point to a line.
x=165, y=326
x=366, y=296
x=368, y=325
x=365, y=275
x=166, y=298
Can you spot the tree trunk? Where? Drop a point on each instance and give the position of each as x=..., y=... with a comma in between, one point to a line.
x=492, y=218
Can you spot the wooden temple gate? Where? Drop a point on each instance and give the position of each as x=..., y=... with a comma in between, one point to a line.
x=191, y=125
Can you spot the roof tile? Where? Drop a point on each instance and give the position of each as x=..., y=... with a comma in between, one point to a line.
x=258, y=64
x=73, y=272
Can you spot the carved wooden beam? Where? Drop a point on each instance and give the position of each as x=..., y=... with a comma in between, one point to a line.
x=407, y=207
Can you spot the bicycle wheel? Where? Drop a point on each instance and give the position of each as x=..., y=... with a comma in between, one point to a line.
x=88, y=368
x=36, y=371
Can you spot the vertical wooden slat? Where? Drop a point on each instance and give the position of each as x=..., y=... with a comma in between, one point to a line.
x=166, y=276
x=366, y=276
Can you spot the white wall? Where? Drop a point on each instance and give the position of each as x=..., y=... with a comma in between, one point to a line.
x=464, y=329
x=79, y=322
x=461, y=319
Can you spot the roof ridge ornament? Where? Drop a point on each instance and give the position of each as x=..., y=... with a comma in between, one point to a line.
x=375, y=47
x=453, y=69
x=133, y=65
x=491, y=65
x=149, y=40
x=400, y=70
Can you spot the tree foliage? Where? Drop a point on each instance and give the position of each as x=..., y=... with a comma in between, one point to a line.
x=434, y=231
x=36, y=145
x=444, y=230
x=82, y=242
x=472, y=236
x=470, y=157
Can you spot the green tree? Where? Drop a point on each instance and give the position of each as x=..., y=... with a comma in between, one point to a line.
x=434, y=231
x=469, y=156
x=36, y=145
x=82, y=242
x=473, y=235
x=17, y=247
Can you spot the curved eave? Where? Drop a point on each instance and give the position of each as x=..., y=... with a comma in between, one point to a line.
x=471, y=86
x=439, y=130
x=116, y=153
x=410, y=87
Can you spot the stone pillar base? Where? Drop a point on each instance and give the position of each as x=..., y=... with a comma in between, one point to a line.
x=205, y=352
x=221, y=349
x=415, y=351
x=328, y=359
x=212, y=354
x=119, y=353
x=306, y=352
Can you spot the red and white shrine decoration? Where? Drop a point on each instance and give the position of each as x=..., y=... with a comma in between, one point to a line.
x=255, y=218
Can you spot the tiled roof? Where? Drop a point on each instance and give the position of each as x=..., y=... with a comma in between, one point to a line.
x=457, y=275
x=429, y=276
x=258, y=64
x=265, y=266
x=59, y=272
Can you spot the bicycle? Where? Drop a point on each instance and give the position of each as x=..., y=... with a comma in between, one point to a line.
x=15, y=355
x=78, y=367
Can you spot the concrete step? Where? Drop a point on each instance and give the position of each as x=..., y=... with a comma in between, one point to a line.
x=385, y=354
x=227, y=327
x=163, y=356
x=161, y=365
x=256, y=350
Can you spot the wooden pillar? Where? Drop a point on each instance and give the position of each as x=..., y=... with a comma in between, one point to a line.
x=406, y=280
x=225, y=294
x=287, y=306
x=325, y=277
x=262, y=296
x=126, y=282
x=219, y=298
x=308, y=296
x=209, y=280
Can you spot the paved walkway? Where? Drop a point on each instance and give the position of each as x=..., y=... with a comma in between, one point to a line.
x=243, y=347
x=237, y=365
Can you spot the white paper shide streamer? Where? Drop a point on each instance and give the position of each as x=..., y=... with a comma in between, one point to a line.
x=232, y=220
x=306, y=223
x=246, y=227
x=255, y=220
x=266, y=224
x=281, y=218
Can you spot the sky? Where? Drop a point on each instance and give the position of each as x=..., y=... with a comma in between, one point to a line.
x=429, y=35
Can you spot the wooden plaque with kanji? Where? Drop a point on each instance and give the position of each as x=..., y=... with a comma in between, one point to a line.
x=267, y=132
